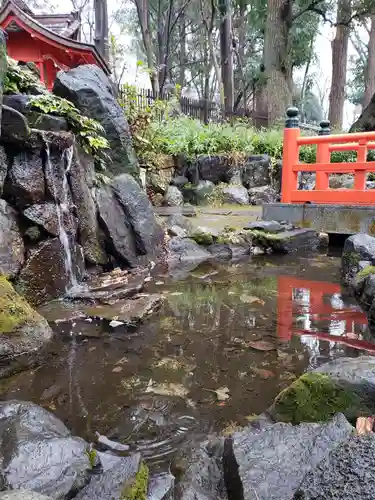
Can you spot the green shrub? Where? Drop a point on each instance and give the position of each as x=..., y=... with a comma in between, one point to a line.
x=89, y=132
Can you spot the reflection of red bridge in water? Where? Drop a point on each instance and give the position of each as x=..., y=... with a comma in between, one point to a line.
x=315, y=308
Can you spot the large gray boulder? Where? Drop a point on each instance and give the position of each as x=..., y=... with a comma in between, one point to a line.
x=357, y=248
x=348, y=473
x=271, y=462
x=24, y=334
x=173, y=197
x=81, y=180
x=3, y=168
x=25, y=182
x=117, y=228
x=11, y=244
x=44, y=276
x=149, y=235
x=235, y=194
x=204, y=477
x=110, y=484
x=22, y=495
x=262, y=194
x=184, y=255
x=91, y=91
x=38, y=453
x=256, y=171
x=45, y=215
x=14, y=125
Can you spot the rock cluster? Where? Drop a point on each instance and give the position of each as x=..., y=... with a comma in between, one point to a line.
x=55, y=211
x=216, y=180
x=320, y=456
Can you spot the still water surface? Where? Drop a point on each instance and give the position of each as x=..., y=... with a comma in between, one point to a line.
x=245, y=330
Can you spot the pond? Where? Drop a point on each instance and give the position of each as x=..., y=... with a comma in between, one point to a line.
x=227, y=340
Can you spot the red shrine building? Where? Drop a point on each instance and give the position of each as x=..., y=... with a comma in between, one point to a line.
x=51, y=41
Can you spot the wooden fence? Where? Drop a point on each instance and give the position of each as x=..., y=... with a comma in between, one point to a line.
x=199, y=109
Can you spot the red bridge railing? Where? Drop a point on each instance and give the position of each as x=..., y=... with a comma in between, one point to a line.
x=325, y=145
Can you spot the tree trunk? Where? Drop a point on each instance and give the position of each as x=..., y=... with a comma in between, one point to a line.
x=276, y=58
x=182, y=27
x=101, y=28
x=226, y=53
x=143, y=10
x=339, y=64
x=370, y=69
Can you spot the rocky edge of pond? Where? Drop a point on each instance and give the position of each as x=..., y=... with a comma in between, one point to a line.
x=358, y=272
x=303, y=447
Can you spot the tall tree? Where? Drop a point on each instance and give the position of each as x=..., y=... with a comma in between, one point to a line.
x=370, y=66
x=339, y=63
x=226, y=53
x=101, y=28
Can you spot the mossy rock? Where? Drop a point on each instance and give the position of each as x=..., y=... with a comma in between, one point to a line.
x=24, y=334
x=15, y=312
x=365, y=272
x=315, y=397
x=136, y=488
x=202, y=238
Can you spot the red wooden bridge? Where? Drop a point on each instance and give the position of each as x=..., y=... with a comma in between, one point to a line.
x=318, y=309
x=332, y=210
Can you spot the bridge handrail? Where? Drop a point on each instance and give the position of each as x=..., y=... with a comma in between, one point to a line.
x=360, y=142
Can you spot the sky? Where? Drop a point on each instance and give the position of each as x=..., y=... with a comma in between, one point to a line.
x=322, y=68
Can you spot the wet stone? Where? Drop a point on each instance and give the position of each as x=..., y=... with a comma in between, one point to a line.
x=110, y=287
x=270, y=226
x=348, y=473
x=128, y=312
x=11, y=243
x=22, y=495
x=110, y=484
x=45, y=215
x=161, y=487
x=273, y=461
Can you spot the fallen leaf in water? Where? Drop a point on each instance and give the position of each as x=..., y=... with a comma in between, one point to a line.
x=146, y=280
x=262, y=373
x=117, y=369
x=114, y=323
x=351, y=335
x=175, y=294
x=222, y=393
x=158, y=283
x=167, y=389
x=221, y=403
x=250, y=299
x=261, y=345
x=364, y=425
x=92, y=348
x=122, y=361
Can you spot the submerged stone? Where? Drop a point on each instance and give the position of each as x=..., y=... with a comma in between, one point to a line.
x=128, y=312
x=23, y=332
x=12, y=251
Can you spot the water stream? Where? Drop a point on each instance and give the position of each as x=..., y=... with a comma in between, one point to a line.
x=250, y=328
x=62, y=211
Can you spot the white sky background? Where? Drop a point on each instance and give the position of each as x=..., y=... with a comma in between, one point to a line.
x=322, y=69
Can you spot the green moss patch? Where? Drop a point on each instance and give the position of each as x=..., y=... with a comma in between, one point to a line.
x=136, y=488
x=315, y=397
x=202, y=238
x=14, y=310
x=366, y=272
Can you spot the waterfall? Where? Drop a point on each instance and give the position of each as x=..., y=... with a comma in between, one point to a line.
x=62, y=209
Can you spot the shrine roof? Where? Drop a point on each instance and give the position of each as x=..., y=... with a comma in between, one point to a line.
x=57, y=28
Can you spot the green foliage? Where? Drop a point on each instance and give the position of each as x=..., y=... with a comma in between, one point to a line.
x=88, y=131
x=21, y=79
x=191, y=138
x=136, y=488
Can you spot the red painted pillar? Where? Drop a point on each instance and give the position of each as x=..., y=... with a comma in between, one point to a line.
x=290, y=155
